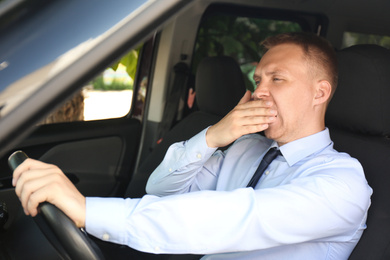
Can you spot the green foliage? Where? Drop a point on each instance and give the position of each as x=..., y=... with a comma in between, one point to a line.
x=237, y=37
x=98, y=84
x=351, y=38
x=129, y=60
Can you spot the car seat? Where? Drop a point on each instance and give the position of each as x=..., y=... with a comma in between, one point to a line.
x=219, y=86
x=359, y=121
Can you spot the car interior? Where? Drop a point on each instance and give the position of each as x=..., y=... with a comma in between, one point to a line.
x=210, y=46
x=219, y=86
x=363, y=132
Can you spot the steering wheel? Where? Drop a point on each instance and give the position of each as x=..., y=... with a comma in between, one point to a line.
x=59, y=229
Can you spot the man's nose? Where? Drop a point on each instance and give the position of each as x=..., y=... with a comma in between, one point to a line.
x=261, y=91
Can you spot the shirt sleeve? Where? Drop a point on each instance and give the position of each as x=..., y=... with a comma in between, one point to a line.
x=318, y=207
x=187, y=166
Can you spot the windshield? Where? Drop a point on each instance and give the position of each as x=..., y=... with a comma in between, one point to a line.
x=40, y=38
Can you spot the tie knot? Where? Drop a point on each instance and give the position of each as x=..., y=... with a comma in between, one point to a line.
x=267, y=159
x=271, y=155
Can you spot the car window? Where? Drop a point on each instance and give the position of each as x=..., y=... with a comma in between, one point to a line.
x=108, y=95
x=238, y=37
x=353, y=38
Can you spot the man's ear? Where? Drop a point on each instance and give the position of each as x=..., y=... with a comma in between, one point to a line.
x=323, y=92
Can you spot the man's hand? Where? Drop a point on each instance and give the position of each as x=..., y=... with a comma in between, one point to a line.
x=246, y=118
x=37, y=182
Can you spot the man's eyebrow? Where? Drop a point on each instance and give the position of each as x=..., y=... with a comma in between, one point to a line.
x=256, y=76
x=277, y=71
x=271, y=72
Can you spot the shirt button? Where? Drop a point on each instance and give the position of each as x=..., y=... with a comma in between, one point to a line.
x=106, y=237
x=199, y=156
x=170, y=169
x=267, y=172
x=157, y=249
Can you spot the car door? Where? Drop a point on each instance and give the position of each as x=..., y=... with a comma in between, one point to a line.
x=50, y=52
x=94, y=136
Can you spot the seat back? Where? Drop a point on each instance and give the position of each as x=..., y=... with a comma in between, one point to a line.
x=219, y=86
x=359, y=121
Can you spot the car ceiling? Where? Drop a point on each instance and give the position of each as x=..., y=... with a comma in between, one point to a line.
x=55, y=87
x=344, y=15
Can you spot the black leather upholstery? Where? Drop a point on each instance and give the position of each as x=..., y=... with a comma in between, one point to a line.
x=219, y=86
x=359, y=121
x=361, y=103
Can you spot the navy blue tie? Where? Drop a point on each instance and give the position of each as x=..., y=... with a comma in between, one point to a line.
x=267, y=159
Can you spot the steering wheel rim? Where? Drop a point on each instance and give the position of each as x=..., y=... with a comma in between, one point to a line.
x=68, y=240
x=72, y=240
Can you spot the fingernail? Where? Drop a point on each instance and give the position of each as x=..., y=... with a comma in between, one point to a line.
x=272, y=112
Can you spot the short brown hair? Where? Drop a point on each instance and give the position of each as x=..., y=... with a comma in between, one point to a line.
x=317, y=50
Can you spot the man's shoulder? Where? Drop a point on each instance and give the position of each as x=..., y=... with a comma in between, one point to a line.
x=333, y=159
x=254, y=137
x=251, y=141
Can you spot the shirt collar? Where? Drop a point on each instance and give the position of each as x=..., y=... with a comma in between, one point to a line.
x=296, y=150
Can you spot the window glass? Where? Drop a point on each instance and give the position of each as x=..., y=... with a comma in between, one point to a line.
x=238, y=37
x=109, y=95
x=352, y=38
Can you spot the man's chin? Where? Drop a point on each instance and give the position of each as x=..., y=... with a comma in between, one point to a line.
x=270, y=132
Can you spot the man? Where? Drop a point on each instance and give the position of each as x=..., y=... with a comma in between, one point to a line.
x=310, y=203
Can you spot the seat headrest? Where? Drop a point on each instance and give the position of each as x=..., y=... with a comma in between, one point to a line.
x=361, y=102
x=219, y=85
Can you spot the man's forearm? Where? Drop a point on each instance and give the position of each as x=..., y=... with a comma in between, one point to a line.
x=182, y=162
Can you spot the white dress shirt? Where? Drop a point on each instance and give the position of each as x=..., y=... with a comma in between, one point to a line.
x=311, y=203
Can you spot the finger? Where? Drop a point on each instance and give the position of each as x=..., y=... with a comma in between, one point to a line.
x=60, y=192
x=25, y=189
x=237, y=119
x=257, y=120
x=250, y=124
x=27, y=165
x=34, y=173
x=251, y=129
x=257, y=123
x=260, y=103
x=25, y=178
x=31, y=205
x=259, y=112
x=245, y=116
